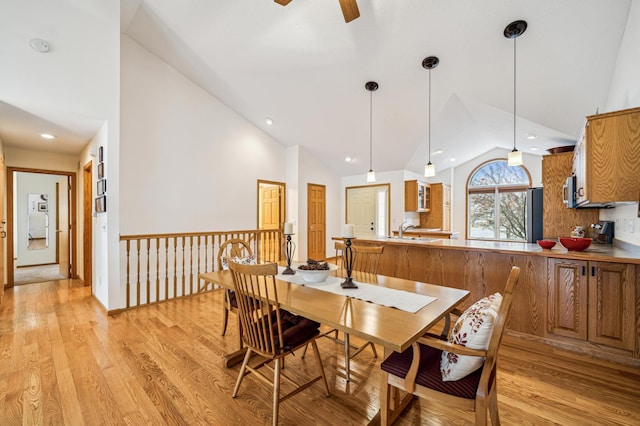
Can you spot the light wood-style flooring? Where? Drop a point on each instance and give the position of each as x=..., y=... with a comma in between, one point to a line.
x=63, y=361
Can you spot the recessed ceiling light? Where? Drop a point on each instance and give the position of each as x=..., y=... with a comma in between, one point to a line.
x=47, y=136
x=534, y=148
x=347, y=159
x=269, y=121
x=531, y=136
x=452, y=159
x=437, y=152
x=39, y=45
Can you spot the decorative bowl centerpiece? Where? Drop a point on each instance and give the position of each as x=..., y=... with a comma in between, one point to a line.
x=575, y=244
x=316, y=272
x=546, y=244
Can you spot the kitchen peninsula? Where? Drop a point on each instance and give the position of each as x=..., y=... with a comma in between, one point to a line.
x=587, y=301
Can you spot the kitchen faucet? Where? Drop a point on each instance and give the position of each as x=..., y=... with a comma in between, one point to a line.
x=403, y=228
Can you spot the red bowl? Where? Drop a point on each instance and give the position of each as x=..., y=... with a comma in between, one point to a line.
x=575, y=244
x=546, y=244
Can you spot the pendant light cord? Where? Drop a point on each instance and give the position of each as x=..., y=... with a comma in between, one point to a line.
x=370, y=130
x=429, y=131
x=514, y=94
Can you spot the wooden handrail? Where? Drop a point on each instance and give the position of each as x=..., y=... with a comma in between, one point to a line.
x=161, y=267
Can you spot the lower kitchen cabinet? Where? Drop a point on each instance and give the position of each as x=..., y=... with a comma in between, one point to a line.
x=593, y=301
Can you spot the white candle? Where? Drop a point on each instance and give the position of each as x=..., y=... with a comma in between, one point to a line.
x=288, y=228
x=349, y=231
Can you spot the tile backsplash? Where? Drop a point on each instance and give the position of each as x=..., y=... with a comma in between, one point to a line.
x=627, y=222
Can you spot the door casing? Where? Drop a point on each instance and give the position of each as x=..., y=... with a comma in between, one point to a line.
x=10, y=218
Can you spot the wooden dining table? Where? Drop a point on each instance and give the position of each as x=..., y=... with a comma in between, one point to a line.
x=391, y=328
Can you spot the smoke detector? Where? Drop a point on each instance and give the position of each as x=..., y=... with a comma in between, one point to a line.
x=39, y=45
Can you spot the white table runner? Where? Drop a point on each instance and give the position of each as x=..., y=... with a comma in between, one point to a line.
x=400, y=299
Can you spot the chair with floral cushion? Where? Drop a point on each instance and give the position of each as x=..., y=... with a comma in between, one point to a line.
x=239, y=250
x=270, y=332
x=459, y=372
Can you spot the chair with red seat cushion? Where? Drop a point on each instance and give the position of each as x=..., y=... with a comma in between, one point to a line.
x=268, y=331
x=419, y=370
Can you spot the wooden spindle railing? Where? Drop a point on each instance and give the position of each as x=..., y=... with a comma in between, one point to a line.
x=162, y=267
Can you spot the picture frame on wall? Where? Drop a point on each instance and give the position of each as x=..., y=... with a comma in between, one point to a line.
x=100, y=155
x=100, y=170
x=102, y=186
x=101, y=204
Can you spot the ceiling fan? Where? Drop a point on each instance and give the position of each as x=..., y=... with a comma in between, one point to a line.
x=349, y=8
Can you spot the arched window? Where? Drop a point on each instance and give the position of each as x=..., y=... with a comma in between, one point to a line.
x=496, y=202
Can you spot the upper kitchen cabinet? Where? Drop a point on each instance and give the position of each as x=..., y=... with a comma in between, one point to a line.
x=417, y=196
x=606, y=159
x=558, y=220
x=440, y=215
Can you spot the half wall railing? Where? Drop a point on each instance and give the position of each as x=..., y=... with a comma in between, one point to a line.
x=161, y=267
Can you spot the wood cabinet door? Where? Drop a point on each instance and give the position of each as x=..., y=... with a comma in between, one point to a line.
x=557, y=218
x=567, y=298
x=611, y=304
x=612, y=150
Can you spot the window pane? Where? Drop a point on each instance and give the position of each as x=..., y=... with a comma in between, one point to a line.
x=512, y=216
x=482, y=215
x=498, y=173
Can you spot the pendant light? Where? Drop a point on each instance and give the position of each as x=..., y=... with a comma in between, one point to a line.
x=514, y=30
x=371, y=86
x=430, y=63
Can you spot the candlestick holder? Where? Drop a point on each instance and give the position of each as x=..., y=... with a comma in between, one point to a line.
x=289, y=250
x=348, y=263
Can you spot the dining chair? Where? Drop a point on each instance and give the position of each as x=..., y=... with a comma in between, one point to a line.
x=458, y=372
x=234, y=248
x=270, y=332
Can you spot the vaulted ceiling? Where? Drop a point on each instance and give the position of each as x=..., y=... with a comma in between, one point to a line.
x=305, y=68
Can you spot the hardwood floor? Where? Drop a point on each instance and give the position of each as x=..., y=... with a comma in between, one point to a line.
x=63, y=361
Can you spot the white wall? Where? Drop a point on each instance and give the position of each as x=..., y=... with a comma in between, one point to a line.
x=310, y=170
x=189, y=162
x=625, y=93
x=16, y=157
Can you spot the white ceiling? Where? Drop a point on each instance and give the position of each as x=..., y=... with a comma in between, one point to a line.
x=305, y=68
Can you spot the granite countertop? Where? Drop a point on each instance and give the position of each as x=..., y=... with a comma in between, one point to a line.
x=623, y=253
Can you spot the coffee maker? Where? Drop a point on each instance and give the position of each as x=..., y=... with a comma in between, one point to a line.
x=604, y=231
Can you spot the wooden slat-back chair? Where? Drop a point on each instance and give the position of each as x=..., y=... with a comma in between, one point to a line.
x=269, y=331
x=417, y=371
x=229, y=249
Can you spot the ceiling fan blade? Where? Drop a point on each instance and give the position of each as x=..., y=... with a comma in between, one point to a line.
x=283, y=2
x=349, y=10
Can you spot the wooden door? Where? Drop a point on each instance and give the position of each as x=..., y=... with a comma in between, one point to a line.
x=87, y=223
x=611, y=304
x=567, y=298
x=270, y=207
x=316, y=221
x=62, y=226
x=361, y=210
